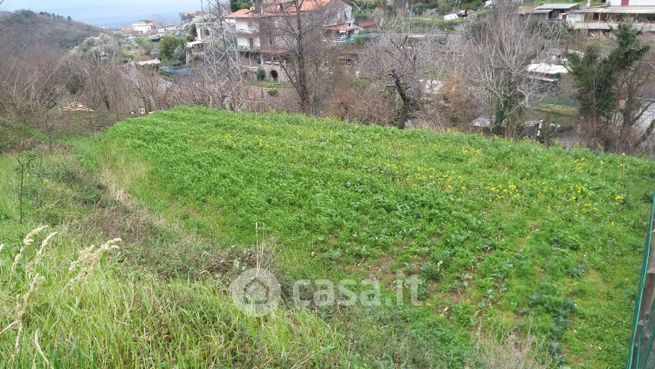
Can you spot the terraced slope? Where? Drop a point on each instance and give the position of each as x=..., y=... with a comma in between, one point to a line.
x=503, y=232
x=505, y=235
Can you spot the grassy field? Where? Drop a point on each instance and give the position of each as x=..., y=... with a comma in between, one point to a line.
x=507, y=236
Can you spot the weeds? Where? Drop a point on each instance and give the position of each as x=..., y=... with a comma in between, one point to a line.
x=184, y=189
x=481, y=219
x=513, y=351
x=34, y=279
x=88, y=260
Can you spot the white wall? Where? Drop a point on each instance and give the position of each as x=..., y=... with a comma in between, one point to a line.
x=342, y=14
x=142, y=27
x=244, y=43
x=632, y=2
x=572, y=18
x=245, y=25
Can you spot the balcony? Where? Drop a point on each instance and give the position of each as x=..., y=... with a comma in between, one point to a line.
x=247, y=31
x=605, y=26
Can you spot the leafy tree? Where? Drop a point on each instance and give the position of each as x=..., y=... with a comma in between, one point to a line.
x=167, y=46
x=191, y=32
x=239, y=4
x=603, y=81
x=180, y=54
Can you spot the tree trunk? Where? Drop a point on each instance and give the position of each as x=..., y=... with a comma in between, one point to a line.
x=408, y=103
x=303, y=90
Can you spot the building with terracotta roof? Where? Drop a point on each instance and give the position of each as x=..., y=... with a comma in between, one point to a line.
x=260, y=29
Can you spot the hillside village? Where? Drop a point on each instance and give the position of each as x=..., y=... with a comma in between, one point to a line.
x=330, y=184
x=261, y=41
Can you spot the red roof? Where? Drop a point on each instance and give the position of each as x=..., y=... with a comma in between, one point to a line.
x=288, y=6
x=244, y=13
x=368, y=23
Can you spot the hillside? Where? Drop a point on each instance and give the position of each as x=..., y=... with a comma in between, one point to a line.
x=24, y=28
x=506, y=235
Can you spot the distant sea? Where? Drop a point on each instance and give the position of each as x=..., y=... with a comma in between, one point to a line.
x=109, y=13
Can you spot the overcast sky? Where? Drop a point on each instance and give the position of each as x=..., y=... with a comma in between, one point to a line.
x=110, y=13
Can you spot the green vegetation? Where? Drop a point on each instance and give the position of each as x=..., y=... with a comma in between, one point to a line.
x=261, y=74
x=171, y=50
x=269, y=84
x=13, y=133
x=239, y=4
x=602, y=81
x=505, y=234
x=25, y=27
x=445, y=6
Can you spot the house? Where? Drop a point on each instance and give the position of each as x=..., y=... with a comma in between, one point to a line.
x=633, y=3
x=340, y=32
x=145, y=26
x=194, y=51
x=153, y=64
x=550, y=12
x=368, y=26
x=191, y=15
x=247, y=24
x=533, y=13
x=161, y=30
x=547, y=73
x=601, y=19
x=258, y=29
x=557, y=11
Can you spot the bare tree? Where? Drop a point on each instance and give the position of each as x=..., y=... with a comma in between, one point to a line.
x=403, y=62
x=636, y=117
x=98, y=77
x=312, y=60
x=495, y=58
x=30, y=80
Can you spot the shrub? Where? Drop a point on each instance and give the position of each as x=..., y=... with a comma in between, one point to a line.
x=261, y=74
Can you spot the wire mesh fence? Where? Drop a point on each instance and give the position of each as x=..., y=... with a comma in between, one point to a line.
x=641, y=355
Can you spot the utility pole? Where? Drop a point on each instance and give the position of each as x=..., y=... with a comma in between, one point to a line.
x=221, y=65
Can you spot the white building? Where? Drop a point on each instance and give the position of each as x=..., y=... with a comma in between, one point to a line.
x=247, y=24
x=166, y=29
x=145, y=26
x=258, y=31
x=631, y=2
x=602, y=19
